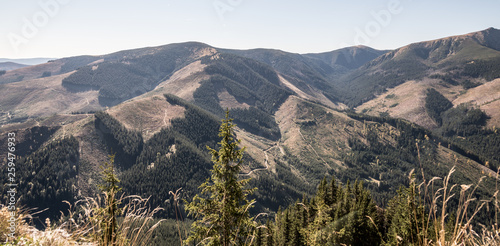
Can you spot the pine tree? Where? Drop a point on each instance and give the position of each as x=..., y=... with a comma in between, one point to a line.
x=286, y=228
x=107, y=214
x=259, y=239
x=322, y=193
x=221, y=210
x=270, y=234
x=405, y=214
x=297, y=237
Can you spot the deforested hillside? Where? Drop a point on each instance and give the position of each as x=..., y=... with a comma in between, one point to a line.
x=354, y=116
x=465, y=61
x=124, y=75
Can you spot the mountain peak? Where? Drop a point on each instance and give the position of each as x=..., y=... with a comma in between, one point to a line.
x=350, y=57
x=489, y=38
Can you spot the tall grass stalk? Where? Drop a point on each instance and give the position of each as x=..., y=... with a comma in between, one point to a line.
x=435, y=227
x=134, y=227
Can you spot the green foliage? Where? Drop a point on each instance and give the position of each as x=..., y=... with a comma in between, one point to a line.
x=232, y=63
x=47, y=177
x=221, y=212
x=463, y=132
x=197, y=126
x=160, y=170
x=360, y=85
x=463, y=121
x=2, y=72
x=206, y=96
x=174, y=158
x=46, y=74
x=310, y=172
x=485, y=145
x=275, y=190
x=106, y=78
x=467, y=84
x=126, y=143
x=436, y=104
x=448, y=78
x=416, y=147
x=487, y=69
x=464, y=127
x=336, y=215
x=108, y=214
x=405, y=214
x=175, y=100
x=248, y=81
x=388, y=163
x=302, y=71
x=34, y=138
x=167, y=234
x=454, y=78
x=257, y=122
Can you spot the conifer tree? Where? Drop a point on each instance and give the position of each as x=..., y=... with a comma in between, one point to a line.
x=221, y=210
x=405, y=214
x=259, y=241
x=270, y=234
x=107, y=214
x=286, y=228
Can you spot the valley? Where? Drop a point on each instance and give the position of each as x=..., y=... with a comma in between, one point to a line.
x=355, y=114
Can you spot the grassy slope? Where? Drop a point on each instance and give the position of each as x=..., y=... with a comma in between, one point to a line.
x=407, y=100
x=41, y=98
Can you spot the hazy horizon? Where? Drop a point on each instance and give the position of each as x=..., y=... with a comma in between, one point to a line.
x=63, y=28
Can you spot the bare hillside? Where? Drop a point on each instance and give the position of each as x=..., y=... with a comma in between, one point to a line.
x=43, y=97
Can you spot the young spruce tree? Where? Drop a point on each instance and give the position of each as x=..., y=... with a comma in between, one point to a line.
x=221, y=211
x=106, y=215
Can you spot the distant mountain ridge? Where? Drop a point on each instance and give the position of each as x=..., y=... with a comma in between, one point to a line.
x=350, y=57
x=452, y=65
x=27, y=61
x=349, y=76
x=460, y=55
x=6, y=66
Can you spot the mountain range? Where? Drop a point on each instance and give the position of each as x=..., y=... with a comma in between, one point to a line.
x=11, y=66
x=28, y=61
x=353, y=113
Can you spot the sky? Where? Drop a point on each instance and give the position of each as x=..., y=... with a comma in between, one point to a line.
x=63, y=28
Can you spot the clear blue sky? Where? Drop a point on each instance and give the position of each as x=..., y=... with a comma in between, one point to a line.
x=77, y=27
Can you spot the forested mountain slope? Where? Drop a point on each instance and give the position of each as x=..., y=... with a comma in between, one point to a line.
x=158, y=108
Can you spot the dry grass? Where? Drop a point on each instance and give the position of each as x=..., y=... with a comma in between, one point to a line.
x=184, y=82
x=43, y=97
x=407, y=100
x=147, y=115
x=82, y=225
x=312, y=94
x=438, y=228
x=134, y=227
x=226, y=100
